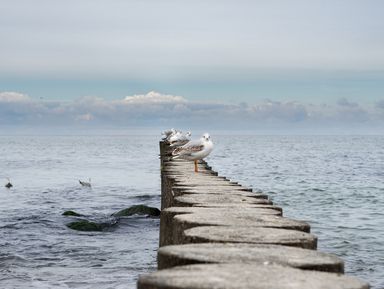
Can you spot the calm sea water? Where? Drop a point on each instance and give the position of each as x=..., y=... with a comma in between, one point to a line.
x=37, y=249
x=334, y=183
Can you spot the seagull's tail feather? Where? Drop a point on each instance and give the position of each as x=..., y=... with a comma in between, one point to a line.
x=175, y=157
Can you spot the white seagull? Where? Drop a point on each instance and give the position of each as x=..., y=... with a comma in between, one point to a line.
x=179, y=139
x=194, y=150
x=86, y=184
x=167, y=133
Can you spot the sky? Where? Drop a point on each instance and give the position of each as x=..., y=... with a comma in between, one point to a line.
x=271, y=65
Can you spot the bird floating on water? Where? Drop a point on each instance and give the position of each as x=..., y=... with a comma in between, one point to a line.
x=86, y=184
x=194, y=150
x=9, y=184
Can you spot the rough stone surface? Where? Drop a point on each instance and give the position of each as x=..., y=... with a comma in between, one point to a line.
x=219, y=190
x=172, y=232
x=196, y=210
x=193, y=199
x=239, y=218
x=245, y=276
x=237, y=206
x=230, y=234
x=178, y=255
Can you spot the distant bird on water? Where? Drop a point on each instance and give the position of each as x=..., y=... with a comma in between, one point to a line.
x=194, y=150
x=86, y=184
x=9, y=184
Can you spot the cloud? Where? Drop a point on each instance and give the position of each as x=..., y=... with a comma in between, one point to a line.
x=380, y=104
x=8, y=96
x=346, y=103
x=153, y=97
x=276, y=110
x=85, y=117
x=155, y=109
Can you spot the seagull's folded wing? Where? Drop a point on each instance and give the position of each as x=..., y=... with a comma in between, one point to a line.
x=187, y=149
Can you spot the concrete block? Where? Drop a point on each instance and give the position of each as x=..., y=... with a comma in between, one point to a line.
x=194, y=199
x=245, y=276
x=254, y=235
x=171, y=233
x=207, y=253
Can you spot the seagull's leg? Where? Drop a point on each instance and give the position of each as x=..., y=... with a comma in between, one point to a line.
x=196, y=170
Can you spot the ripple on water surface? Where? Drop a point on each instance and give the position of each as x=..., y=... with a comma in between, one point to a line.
x=333, y=182
x=41, y=252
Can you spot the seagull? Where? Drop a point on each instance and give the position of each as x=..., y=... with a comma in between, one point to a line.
x=179, y=139
x=194, y=150
x=8, y=185
x=167, y=133
x=86, y=184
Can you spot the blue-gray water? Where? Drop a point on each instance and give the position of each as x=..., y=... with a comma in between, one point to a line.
x=37, y=249
x=335, y=183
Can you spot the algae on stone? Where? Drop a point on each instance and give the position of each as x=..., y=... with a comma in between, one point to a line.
x=72, y=213
x=84, y=225
x=138, y=210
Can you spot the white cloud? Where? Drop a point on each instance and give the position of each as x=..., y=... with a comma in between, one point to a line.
x=155, y=109
x=346, y=103
x=153, y=97
x=85, y=117
x=9, y=96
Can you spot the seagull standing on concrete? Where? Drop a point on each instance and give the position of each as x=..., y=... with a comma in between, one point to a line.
x=179, y=139
x=167, y=133
x=194, y=150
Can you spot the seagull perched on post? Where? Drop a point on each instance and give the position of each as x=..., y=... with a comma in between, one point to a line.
x=167, y=133
x=179, y=139
x=194, y=150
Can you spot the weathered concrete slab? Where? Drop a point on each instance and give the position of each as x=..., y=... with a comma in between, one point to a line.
x=238, y=218
x=189, y=210
x=219, y=189
x=194, y=199
x=183, y=173
x=238, y=206
x=178, y=255
x=230, y=234
x=204, y=182
x=245, y=276
x=171, y=233
x=195, y=177
x=170, y=192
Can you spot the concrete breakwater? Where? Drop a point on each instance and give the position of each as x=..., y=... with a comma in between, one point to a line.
x=216, y=233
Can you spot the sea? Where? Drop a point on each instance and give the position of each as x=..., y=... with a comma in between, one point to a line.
x=336, y=183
